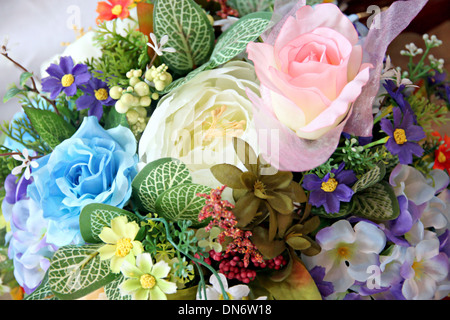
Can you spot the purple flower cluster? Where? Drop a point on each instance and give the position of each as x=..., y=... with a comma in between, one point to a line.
x=95, y=97
x=403, y=136
x=65, y=77
x=68, y=78
x=330, y=190
x=28, y=246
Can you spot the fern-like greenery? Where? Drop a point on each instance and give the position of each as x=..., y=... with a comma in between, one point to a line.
x=429, y=115
x=121, y=52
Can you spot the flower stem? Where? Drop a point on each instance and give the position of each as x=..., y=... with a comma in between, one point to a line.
x=375, y=143
x=198, y=261
x=386, y=111
x=34, y=89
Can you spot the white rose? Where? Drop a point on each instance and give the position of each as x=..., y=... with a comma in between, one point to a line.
x=195, y=123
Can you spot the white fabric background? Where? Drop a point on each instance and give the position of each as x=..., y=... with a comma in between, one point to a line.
x=36, y=29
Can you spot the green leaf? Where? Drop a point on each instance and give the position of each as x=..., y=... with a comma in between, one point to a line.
x=43, y=292
x=11, y=93
x=182, y=203
x=245, y=7
x=377, y=202
x=189, y=31
x=345, y=208
x=76, y=271
x=52, y=128
x=180, y=81
x=229, y=45
x=292, y=283
x=228, y=175
x=114, y=119
x=370, y=178
x=112, y=289
x=24, y=78
x=95, y=216
x=155, y=178
x=234, y=40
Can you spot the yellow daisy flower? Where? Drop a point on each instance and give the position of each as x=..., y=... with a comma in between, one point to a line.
x=120, y=242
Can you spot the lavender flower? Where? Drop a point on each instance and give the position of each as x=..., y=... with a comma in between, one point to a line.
x=65, y=77
x=325, y=287
x=331, y=189
x=403, y=136
x=95, y=97
x=397, y=94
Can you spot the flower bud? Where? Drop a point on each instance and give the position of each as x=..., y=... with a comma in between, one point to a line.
x=115, y=92
x=120, y=107
x=132, y=116
x=142, y=89
x=127, y=99
x=137, y=73
x=134, y=81
x=145, y=101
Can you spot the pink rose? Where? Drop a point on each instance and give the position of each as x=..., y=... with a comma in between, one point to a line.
x=313, y=72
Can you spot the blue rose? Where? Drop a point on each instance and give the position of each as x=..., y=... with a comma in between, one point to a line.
x=93, y=166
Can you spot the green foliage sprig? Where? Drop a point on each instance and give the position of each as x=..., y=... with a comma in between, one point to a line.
x=121, y=52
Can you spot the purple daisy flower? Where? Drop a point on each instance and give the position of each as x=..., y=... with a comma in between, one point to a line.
x=95, y=97
x=65, y=77
x=332, y=189
x=403, y=136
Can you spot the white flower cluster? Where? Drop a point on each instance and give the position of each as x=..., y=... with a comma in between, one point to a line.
x=412, y=50
x=432, y=41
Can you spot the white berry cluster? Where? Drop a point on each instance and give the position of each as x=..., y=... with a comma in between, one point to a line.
x=142, y=88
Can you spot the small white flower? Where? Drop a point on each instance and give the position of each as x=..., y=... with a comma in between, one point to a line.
x=390, y=72
x=26, y=163
x=225, y=23
x=214, y=292
x=159, y=47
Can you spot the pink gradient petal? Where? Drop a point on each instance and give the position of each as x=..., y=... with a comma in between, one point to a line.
x=263, y=58
x=290, y=114
x=393, y=22
x=354, y=62
x=329, y=16
x=283, y=148
x=339, y=107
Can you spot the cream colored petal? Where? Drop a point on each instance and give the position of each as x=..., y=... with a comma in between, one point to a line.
x=141, y=294
x=118, y=225
x=107, y=235
x=157, y=294
x=161, y=269
x=116, y=264
x=166, y=286
x=107, y=251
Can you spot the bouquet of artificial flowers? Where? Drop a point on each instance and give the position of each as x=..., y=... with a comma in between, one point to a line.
x=240, y=149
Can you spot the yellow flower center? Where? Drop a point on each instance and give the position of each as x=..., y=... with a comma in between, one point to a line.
x=123, y=247
x=230, y=297
x=116, y=10
x=330, y=185
x=260, y=186
x=217, y=129
x=147, y=281
x=67, y=80
x=441, y=157
x=418, y=268
x=400, y=136
x=101, y=94
x=344, y=252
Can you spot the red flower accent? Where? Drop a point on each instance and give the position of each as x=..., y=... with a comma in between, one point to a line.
x=113, y=10
x=442, y=154
x=223, y=217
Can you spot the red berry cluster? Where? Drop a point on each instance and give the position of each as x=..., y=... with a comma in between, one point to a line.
x=233, y=267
